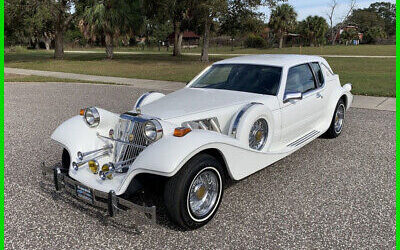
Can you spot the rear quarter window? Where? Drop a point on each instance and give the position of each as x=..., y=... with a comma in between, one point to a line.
x=326, y=71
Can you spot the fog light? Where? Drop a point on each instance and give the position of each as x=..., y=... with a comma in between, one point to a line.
x=93, y=166
x=106, y=171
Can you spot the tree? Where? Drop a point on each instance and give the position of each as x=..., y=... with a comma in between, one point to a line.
x=387, y=12
x=179, y=12
x=240, y=18
x=282, y=20
x=374, y=34
x=28, y=21
x=314, y=29
x=340, y=25
x=111, y=19
x=61, y=10
x=332, y=8
x=365, y=19
x=379, y=16
x=204, y=15
x=41, y=24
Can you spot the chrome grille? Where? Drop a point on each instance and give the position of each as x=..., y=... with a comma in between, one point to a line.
x=129, y=125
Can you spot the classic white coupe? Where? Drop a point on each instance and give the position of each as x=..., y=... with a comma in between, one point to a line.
x=236, y=117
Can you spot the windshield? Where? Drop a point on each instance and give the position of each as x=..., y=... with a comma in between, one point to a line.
x=258, y=79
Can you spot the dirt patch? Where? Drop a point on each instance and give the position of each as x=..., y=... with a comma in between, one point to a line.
x=9, y=75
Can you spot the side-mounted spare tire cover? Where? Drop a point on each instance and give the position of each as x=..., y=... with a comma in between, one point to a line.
x=244, y=120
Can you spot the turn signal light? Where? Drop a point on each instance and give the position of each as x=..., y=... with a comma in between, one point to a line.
x=82, y=112
x=181, y=131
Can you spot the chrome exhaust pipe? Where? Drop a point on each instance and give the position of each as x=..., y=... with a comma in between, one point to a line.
x=77, y=165
x=81, y=155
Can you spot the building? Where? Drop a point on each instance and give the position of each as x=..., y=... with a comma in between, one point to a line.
x=189, y=39
x=347, y=28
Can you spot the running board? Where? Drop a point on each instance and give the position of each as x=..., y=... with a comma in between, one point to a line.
x=303, y=139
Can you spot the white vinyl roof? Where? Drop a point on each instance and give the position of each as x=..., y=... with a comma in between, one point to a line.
x=280, y=60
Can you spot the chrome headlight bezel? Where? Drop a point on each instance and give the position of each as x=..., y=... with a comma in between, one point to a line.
x=258, y=129
x=152, y=130
x=92, y=117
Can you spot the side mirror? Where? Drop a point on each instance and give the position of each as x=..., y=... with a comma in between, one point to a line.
x=292, y=96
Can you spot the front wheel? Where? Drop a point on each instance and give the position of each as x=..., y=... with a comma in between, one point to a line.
x=336, y=127
x=193, y=195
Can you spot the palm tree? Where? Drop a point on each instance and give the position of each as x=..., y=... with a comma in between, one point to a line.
x=111, y=19
x=314, y=29
x=282, y=20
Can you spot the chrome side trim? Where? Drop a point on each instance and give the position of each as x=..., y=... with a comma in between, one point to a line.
x=141, y=99
x=215, y=124
x=303, y=139
x=239, y=116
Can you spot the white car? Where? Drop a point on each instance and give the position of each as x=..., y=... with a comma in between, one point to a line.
x=235, y=118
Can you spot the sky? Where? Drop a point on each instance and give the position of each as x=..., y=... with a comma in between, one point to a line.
x=305, y=8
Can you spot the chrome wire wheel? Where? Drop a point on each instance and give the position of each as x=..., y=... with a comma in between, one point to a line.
x=204, y=194
x=339, y=118
x=258, y=134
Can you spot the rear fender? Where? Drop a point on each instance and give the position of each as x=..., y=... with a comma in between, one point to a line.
x=334, y=99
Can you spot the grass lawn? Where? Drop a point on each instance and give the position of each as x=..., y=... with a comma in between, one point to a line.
x=368, y=50
x=29, y=78
x=369, y=76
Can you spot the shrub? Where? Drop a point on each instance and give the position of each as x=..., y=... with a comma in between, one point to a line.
x=255, y=41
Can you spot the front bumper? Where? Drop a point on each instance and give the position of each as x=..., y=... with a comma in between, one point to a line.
x=109, y=201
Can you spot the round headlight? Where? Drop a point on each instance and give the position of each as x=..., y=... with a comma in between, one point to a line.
x=152, y=130
x=92, y=117
x=258, y=134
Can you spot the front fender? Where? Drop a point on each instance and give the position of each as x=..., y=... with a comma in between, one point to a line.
x=75, y=135
x=167, y=156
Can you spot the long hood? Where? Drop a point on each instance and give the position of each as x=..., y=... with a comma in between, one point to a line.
x=189, y=101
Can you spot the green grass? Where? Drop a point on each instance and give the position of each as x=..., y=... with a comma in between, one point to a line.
x=368, y=50
x=369, y=76
x=31, y=78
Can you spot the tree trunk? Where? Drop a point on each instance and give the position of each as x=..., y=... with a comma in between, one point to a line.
x=110, y=46
x=59, y=44
x=333, y=37
x=206, y=41
x=37, y=41
x=177, y=34
x=47, y=43
x=281, y=41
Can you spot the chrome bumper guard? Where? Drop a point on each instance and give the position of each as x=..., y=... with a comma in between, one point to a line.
x=109, y=201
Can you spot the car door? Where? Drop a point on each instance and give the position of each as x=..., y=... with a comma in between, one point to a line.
x=321, y=92
x=298, y=116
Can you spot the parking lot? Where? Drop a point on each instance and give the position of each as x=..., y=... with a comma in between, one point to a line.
x=330, y=194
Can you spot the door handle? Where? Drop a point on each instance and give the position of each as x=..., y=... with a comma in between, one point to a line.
x=319, y=95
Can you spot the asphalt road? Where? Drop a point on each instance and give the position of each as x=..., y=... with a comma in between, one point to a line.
x=330, y=194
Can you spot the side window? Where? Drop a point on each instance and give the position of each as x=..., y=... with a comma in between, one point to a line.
x=318, y=73
x=300, y=79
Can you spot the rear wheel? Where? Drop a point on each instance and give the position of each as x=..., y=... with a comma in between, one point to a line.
x=337, y=122
x=193, y=195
